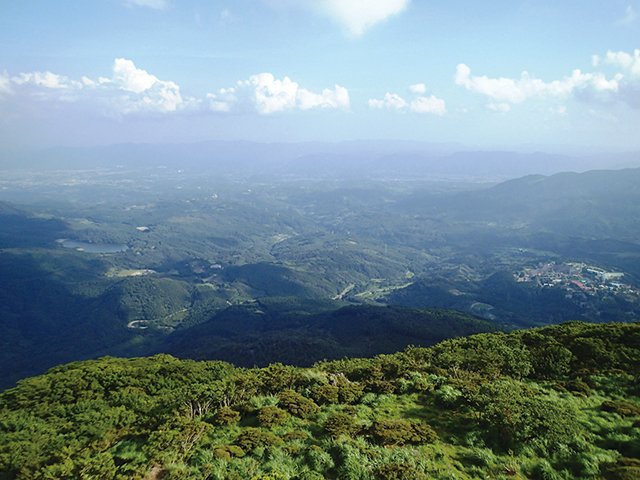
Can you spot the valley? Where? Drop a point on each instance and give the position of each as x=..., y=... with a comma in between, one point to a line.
x=165, y=254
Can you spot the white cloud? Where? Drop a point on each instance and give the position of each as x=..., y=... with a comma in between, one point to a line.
x=428, y=105
x=359, y=15
x=149, y=93
x=46, y=80
x=393, y=101
x=271, y=95
x=516, y=91
x=390, y=101
x=561, y=110
x=132, y=90
x=129, y=90
x=223, y=101
x=418, y=88
x=630, y=63
x=5, y=83
x=157, y=4
x=337, y=98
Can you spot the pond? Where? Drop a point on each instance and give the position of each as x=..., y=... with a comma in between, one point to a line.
x=95, y=247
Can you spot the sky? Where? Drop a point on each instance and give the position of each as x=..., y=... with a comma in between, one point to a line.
x=480, y=73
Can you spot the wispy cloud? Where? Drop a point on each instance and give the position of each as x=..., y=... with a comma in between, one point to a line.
x=157, y=4
x=359, y=15
x=355, y=15
x=630, y=16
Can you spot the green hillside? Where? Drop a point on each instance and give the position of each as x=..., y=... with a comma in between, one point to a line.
x=560, y=402
x=301, y=332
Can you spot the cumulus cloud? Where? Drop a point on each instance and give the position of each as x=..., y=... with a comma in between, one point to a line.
x=629, y=79
x=516, y=91
x=393, y=101
x=157, y=4
x=270, y=95
x=128, y=90
x=622, y=86
x=428, y=105
x=223, y=100
x=629, y=63
x=131, y=90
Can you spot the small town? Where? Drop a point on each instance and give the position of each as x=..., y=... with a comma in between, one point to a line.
x=576, y=278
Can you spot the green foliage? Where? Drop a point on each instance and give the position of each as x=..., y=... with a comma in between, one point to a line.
x=143, y=417
x=270, y=416
x=340, y=424
x=295, y=435
x=297, y=404
x=399, y=432
x=398, y=471
x=226, y=416
x=252, y=438
x=623, y=469
x=520, y=416
x=621, y=407
x=324, y=394
x=226, y=452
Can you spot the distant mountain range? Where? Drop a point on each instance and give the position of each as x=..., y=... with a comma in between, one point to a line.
x=367, y=159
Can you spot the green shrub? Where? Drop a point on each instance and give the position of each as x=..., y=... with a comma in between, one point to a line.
x=226, y=416
x=298, y=405
x=325, y=394
x=340, y=424
x=380, y=386
x=291, y=449
x=350, y=392
x=621, y=407
x=295, y=435
x=399, y=432
x=225, y=452
x=271, y=416
x=254, y=437
x=398, y=471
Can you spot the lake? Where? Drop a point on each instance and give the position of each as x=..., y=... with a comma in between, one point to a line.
x=95, y=247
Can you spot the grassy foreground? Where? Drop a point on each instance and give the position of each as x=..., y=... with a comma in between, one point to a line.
x=561, y=402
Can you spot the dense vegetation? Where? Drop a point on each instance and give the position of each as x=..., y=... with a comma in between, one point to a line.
x=560, y=402
x=259, y=270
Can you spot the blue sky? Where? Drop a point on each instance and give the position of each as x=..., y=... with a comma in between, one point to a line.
x=499, y=73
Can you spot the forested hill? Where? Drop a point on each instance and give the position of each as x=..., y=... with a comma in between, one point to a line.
x=297, y=332
x=560, y=402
